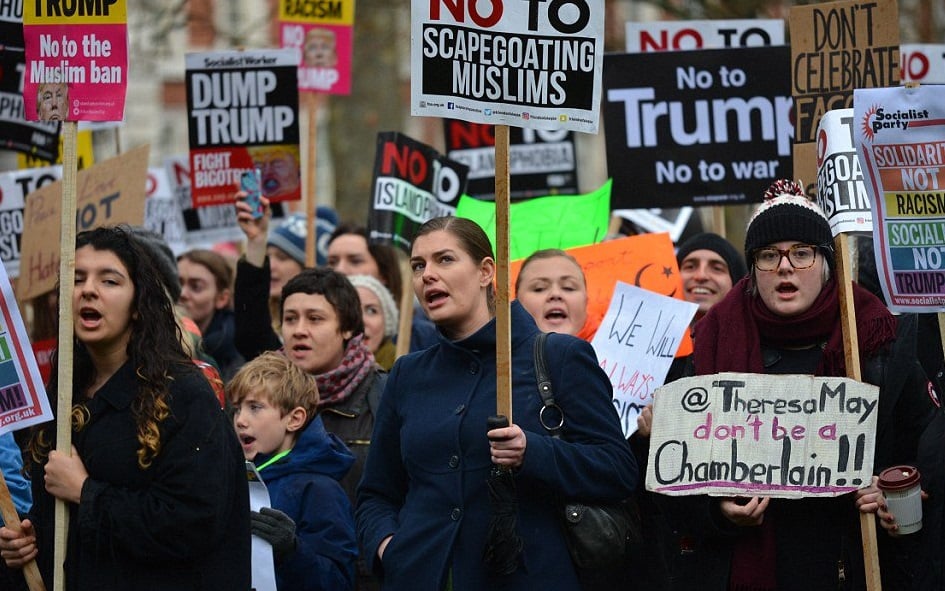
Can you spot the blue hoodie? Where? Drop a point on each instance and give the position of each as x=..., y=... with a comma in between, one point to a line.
x=304, y=485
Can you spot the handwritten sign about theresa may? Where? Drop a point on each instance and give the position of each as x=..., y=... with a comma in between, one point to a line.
x=783, y=436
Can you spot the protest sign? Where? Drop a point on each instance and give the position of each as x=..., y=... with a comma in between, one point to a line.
x=264, y=572
x=562, y=221
x=412, y=184
x=11, y=23
x=671, y=117
x=528, y=64
x=541, y=161
x=321, y=34
x=76, y=60
x=14, y=187
x=900, y=139
x=23, y=400
x=30, y=137
x=743, y=434
x=703, y=34
x=162, y=213
x=243, y=114
x=836, y=47
x=84, y=152
x=922, y=62
x=841, y=192
x=636, y=344
x=643, y=260
x=109, y=193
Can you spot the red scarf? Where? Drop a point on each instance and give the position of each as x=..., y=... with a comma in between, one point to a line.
x=742, y=322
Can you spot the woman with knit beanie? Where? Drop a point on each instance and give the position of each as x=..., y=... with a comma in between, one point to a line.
x=380, y=316
x=784, y=318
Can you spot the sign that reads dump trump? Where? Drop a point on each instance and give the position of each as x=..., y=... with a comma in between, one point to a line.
x=783, y=436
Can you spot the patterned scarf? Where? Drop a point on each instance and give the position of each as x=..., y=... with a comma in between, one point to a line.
x=337, y=385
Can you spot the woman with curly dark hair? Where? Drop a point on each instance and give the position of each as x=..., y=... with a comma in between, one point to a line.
x=155, y=483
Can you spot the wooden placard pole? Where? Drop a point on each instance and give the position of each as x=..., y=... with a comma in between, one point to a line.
x=851, y=353
x=12, y=520
x=65, y=353
x=406, y=308
x=312, y=103
x=718, y=220
x=503, y=320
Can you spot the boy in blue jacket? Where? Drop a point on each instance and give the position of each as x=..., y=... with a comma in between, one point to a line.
x=310, y=524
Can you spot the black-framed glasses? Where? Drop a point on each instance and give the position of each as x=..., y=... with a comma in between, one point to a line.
x=801, y=256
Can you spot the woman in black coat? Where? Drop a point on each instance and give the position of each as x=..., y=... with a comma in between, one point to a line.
x=155, y=484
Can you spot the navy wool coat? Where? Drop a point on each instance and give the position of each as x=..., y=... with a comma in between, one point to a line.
x=425, y=478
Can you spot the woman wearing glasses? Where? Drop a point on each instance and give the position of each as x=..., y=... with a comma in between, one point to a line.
x=784, y=318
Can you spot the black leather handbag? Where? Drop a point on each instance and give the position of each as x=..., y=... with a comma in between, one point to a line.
x=599, y=535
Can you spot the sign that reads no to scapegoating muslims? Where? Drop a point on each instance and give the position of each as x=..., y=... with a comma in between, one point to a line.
x=526, y=63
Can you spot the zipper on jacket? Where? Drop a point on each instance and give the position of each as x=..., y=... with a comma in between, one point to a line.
x=841, y=574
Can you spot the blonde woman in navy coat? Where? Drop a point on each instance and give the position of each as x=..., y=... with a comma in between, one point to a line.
x=423, y=505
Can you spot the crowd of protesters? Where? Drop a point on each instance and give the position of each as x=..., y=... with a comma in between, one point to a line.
x=380, y=468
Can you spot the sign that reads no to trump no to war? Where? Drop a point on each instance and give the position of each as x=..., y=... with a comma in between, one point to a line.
x=750, y=434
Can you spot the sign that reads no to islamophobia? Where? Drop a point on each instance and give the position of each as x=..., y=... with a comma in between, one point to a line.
x=526, y=63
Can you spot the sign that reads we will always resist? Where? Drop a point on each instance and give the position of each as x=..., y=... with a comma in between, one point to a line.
x=783, y=436
x=526, y=63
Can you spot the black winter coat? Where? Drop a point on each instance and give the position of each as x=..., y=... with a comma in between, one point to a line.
x=817, y=539
x=180, y=525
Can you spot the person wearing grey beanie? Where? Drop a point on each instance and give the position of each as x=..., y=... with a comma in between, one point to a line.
x=380, y=318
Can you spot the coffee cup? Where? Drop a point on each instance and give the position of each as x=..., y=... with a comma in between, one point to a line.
x=903, y=492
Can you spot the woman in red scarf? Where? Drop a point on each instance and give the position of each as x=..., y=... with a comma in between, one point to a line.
x=784, y=318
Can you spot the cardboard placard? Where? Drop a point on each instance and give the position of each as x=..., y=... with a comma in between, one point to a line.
x=109, y=193
x=745, y=434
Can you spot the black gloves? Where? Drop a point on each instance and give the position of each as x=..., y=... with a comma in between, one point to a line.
x=277, y=528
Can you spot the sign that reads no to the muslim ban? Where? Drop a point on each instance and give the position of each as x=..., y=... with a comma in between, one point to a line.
x=76, y=60
x=751, y=434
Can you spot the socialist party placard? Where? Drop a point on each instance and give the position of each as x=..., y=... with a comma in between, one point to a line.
x=526, y=63
x=412, y=184
x=243, y=114
x=900, y=141
x=706, y=127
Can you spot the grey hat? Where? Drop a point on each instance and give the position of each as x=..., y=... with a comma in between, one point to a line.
x=163, y=258
x=391, y=314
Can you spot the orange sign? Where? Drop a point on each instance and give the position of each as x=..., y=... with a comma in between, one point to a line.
x=645, y=260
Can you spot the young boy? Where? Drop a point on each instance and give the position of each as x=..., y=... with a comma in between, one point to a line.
x=310, y=524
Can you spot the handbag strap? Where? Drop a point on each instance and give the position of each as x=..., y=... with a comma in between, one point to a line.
x=545, y=390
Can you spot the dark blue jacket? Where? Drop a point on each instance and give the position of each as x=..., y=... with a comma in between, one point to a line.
x=304, y=486
x=219, y=342
x=425, y=478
